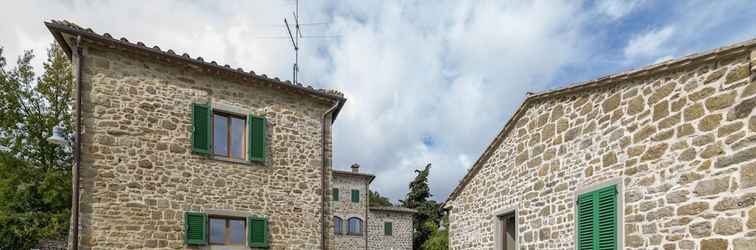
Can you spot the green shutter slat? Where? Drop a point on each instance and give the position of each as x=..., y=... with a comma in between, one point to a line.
x=201, y=130
x=355, y=195
x=195, y=228
x=388, y=228
x=585, y=222
x=335, y=194
x=597, y=219
x=257, y=135
x=257, y=232
x=606, y=213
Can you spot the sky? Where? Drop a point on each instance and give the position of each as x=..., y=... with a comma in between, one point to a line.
x=426, y=81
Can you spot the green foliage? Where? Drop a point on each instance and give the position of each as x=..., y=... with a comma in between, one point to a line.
x=377, y=200
x=35, y=176
x=439, y=238
x=428, y=211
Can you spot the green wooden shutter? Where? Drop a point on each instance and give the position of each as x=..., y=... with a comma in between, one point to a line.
x=597, y=219
x=585, y=222
x=355, y=195
x=606, y=214
x=256, y=136
x=388, y=228
x=201, y=128
x=257, y=232
x=335, y=192
x=195, y=228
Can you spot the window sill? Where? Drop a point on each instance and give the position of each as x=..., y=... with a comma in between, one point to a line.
x=237, y=161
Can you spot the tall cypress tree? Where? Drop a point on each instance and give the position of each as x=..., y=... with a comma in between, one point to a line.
x=428, y=215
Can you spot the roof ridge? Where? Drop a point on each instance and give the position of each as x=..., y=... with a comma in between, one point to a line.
x=73, y=27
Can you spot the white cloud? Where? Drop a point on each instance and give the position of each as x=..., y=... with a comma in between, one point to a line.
x=616, y=9
x=649, y=44
x=446, y=71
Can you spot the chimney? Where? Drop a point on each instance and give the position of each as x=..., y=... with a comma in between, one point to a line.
x=355, y=168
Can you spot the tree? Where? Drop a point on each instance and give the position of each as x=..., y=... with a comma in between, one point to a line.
x=377, y=200
x=35, y=175
x=439, y=238
x=428, y=214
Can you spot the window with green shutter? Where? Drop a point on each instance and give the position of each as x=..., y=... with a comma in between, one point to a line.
x=597, y=219
x=257, y=232
x=335, y=192
x=257, y=135
x=355, y=195
x=201, y=128
x=195, y=228
x=388, y=228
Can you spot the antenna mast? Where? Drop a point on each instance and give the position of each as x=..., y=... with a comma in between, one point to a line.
x=295, y=39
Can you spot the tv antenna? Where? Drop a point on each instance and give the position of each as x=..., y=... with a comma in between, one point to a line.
x=295, y=39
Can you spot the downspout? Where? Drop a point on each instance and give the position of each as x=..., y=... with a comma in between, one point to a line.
x=323, y=170
x=77, y=146
x=367, y=213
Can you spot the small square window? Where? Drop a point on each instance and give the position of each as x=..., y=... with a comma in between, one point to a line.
x=227, y=231
x=229, y=133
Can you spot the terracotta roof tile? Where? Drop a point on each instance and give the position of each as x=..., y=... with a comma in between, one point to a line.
x=72, y=28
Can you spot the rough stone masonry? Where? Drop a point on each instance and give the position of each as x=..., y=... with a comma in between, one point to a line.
x=679, y=138
x=139, y=175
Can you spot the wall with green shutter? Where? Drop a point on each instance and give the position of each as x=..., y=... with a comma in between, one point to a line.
x=355, y=195
x=597, y=215
x=195, y=228
x=201, y=136
x=257, y=232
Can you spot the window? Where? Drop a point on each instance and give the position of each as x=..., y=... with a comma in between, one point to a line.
x=354, y=226
x=337, y=225
x=597, y=219
x=355, y=195
x=388, y=228
x=227, y=231
x=335, y=194
x=221, y=230
x=507, y=231
x=228, y=136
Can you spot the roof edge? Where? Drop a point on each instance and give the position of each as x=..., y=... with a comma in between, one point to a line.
x=57, y=28
x=686, y=61
x=349, y=173
x=392, y=209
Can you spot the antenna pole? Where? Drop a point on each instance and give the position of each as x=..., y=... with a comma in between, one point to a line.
x=295, y=40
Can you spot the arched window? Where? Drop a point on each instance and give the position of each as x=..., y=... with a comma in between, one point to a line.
x=337, y=225
x=354, y=226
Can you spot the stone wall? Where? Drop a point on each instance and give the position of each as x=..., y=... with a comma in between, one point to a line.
x=345, y=209
x=680, y=142
x=138, y=172
x=401, y=238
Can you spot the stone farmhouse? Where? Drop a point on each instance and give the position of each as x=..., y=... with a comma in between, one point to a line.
x=387, y=227
x=180, y=153
x=656, y=158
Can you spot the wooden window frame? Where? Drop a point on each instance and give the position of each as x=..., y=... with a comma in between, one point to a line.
x=226, y=230
x=228, y=116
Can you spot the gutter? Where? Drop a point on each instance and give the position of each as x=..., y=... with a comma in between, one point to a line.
x=77, y=53
x=367, y=213
x=323, y=170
